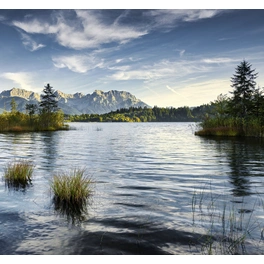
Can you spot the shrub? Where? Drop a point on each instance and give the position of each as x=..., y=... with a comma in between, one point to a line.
x=19, y=173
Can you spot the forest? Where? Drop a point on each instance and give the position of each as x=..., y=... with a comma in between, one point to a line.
x=139, y=114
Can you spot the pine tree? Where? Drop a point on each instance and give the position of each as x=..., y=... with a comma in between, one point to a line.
x=48, y=103
x=13, y=105
x=258, y=104
x=31, y=109
x=48, y=108
x=243, y=82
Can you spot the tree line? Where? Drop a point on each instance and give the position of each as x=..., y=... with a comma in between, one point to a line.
x=240, y=114
x=146, y=114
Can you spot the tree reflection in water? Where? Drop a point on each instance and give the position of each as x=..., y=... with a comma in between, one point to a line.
x=244, y=158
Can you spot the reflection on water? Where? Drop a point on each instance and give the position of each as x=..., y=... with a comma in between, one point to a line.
x=74, y=214
x=146, y=175
x=17, y=186
x=244, y=158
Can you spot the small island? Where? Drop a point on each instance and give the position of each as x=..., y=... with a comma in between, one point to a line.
x=43, y=117
x=242, y=113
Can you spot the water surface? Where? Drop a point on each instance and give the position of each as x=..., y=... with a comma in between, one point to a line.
x=157, y=187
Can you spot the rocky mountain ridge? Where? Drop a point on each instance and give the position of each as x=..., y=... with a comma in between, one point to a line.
x=98, y=102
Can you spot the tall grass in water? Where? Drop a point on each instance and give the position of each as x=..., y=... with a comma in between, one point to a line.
x=18, y=173
x=71, y=192
x=228, y=226
x=232, y=127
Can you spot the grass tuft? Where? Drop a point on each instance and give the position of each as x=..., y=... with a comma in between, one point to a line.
x=19, y=173
x=71, y=192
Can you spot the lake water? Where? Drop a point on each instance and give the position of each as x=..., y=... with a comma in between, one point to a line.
x=159, y=189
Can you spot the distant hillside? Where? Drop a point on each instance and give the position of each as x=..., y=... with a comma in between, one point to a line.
x=98, y=102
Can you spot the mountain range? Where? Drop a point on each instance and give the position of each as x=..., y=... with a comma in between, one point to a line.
x=98, y=102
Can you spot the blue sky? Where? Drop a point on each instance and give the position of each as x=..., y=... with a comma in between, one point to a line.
x=167, y=57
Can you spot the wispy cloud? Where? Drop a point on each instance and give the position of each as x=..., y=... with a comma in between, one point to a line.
x=29, y=43
x=195, y=94
x=225, y=39
x=36, y=26
x=89, y=30
x=174, y=91
x=78, y=63
x=218, y=60
x=203, y=92
x=161, y=70
x=182, y=53
x=118, y=60
x=171, y=17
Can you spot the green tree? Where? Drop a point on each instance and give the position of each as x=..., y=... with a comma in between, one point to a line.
x=13, y=105
x=48, y=107
x=220, y=108
x=31, y=110
x=243, y=82
x=49, y=102
x=258, y=104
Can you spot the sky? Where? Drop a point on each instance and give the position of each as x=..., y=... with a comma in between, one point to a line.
x=168, y=57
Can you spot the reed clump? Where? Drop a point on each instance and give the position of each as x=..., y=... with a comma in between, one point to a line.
x=220, y=131
x=228, y=226
x=71, y=189
x=18, y=173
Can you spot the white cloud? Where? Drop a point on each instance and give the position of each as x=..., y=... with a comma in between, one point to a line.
x=192, y=15
x=78, y=63
x=218, y=60
x=23, y=79
x=171, y=17
x=29, y=43
x=36, y=26
x=174, y=91
x=92, y=33
x=161, y=70
x=89, y=29
x=182, y=53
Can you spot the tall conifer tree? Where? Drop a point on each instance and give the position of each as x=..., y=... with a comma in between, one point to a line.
x=48, y=103
x=243, y=82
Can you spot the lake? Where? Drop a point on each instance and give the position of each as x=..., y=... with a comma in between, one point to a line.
x=158, y=189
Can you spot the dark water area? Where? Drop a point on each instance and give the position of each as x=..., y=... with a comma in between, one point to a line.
x=158, y=190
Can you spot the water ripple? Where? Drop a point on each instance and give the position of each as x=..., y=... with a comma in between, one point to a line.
x=147, y=177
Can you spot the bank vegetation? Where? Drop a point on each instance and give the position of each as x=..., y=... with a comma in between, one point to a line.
x=242, y=113
x=46, y=116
